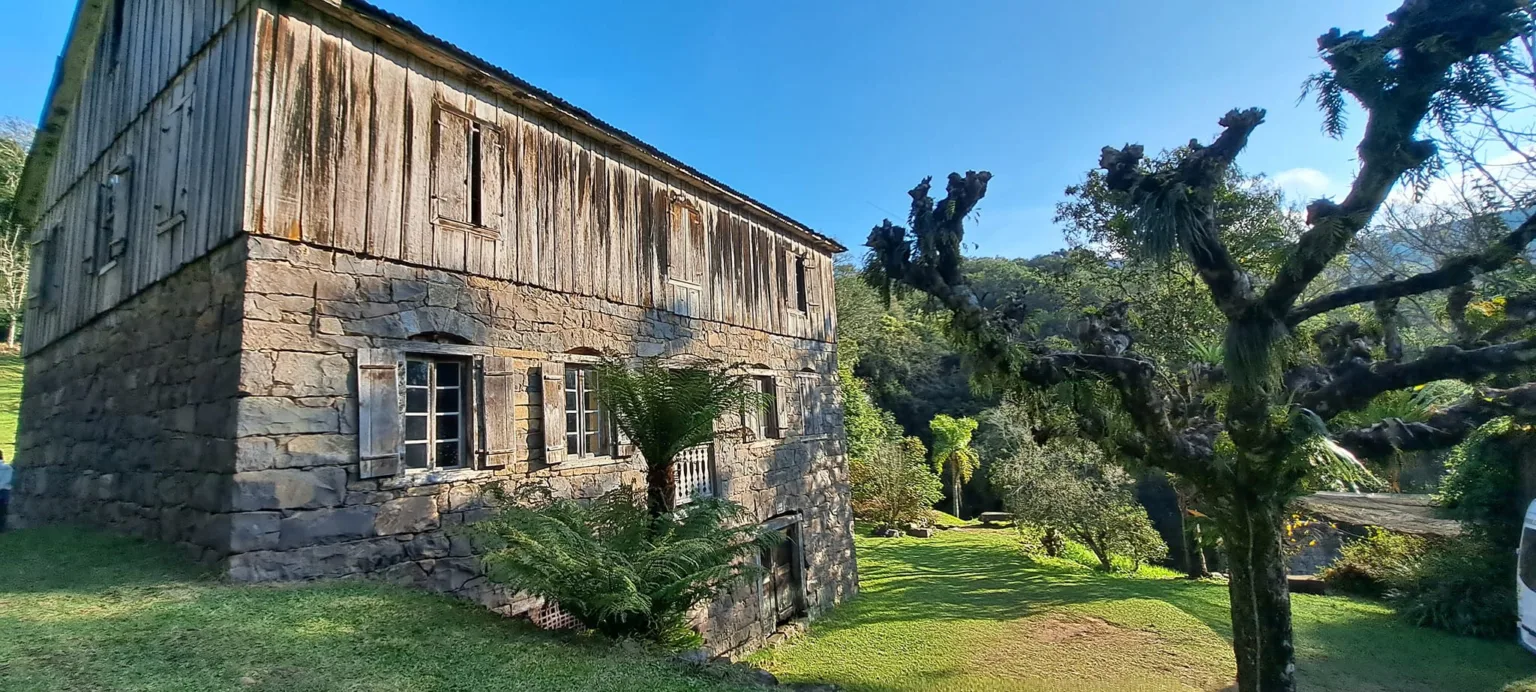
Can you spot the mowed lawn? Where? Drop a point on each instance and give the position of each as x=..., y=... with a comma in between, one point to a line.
x=10, y=401
x=83, y=611
x=965, y=610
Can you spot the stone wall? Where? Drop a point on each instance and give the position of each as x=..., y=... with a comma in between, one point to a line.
x=300, y=510
x=128, y=422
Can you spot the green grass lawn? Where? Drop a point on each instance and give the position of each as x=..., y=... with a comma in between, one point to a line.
x=84, y=611
x=966, y=611
x=10, y=401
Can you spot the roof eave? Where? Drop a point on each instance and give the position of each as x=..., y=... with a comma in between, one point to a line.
x=572, y=113
x=68, y=76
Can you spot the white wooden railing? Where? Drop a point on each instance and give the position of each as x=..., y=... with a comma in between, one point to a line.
x=695, y=474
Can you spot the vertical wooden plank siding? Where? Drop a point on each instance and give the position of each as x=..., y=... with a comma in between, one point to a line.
x=170, y=113
x=356, y=128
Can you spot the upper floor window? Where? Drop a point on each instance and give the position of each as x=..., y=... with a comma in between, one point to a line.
x=435, y=404
x=802, y=300
x=685, y=243
x=45, y=282
x=468, y=160
x=588, y=432
x=114, y=35
x=110, y=239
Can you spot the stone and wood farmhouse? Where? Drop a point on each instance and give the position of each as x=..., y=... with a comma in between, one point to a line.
x=306, y=280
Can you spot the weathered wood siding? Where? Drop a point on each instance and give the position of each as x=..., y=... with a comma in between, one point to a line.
x=173, y=110
x=343, y=147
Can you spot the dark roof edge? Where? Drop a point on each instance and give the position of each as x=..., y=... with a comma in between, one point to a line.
x=570, y=110
x=68, y=76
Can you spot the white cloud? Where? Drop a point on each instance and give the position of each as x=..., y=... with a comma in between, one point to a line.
x=1303, y=184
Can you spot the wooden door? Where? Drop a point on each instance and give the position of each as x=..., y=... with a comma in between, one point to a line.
x=784, y=579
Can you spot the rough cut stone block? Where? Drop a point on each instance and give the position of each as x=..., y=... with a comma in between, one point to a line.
x=288, y=489
x=322, y=526
x=278, y=416
x=407, y=515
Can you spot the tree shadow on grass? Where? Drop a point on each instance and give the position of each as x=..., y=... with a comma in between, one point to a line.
x=1342, y=644
x=125, y=615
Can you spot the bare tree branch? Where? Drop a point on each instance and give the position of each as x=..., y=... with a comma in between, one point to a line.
x=1454, y=272
x=1356, y=386
x=1188, y=192
x=1443, y=429
x=1395, y=74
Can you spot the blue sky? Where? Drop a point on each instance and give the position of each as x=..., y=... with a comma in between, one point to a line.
x=830, y=112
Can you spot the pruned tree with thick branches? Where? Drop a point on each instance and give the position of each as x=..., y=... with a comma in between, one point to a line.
x=1249, y=451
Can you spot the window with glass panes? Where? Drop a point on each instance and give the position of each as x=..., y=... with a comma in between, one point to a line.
x=763, y=419
x=587, y=431
x=434, y=412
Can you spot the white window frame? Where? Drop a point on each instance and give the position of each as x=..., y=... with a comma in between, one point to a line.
x=584, y=437
x=431, y=442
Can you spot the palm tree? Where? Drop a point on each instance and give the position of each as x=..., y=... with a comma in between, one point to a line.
x=664, y=411
x=952, y=448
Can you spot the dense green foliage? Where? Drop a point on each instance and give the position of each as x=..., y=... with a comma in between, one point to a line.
x=952, y=453
x=893, y=483
x=1068, y=486
x=664, y=410
x=1371, y=565
x=1009, y=621
x=1463, y=586
x=614, y=567
x=84, y=611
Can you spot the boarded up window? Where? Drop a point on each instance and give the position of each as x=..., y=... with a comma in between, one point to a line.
x=811, y=418
x=685, y=244
x=45, y=281
x=468, y=160
x=171, y=169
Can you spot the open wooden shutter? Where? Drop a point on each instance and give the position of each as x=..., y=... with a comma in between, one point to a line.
x=117, y=245
x=625, y=447
x=497, y=412
x=781, y=405
x=450, y=165
x=493, y=161
x=171, y=172
x=554, y=412
x=378, y=412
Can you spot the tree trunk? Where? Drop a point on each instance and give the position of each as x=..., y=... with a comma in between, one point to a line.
x=954, y=474
x=10, y=331
x=1194, y=552
x=1261, y=599
x=661, y=488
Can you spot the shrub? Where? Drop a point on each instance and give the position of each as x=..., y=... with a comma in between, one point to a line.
x=615, y=568
x=1463, y=587
x=894, y=484
x=1068, y=486
x=1371, y=565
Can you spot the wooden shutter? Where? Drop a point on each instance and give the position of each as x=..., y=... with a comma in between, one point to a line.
x=674, y=246
x=497, y=412
x=696, y=251
x=781, y=405
x=378, y=412
x=493, y=161
x=554, y=412
x=625, y=447
x=450, y=165
x=117, y=244
x=171, y=170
